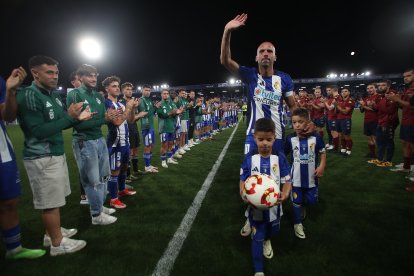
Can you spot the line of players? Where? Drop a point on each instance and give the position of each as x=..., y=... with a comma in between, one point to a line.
x=102, y=163
x=333, y=112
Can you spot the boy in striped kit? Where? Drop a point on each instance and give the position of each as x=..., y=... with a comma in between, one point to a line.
x=309, y=161
x=265, y=223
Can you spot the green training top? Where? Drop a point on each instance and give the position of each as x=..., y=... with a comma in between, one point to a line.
x=147, y=122
x=166, y=123
x=42, y=118
x=90, y=129
x=183, y=103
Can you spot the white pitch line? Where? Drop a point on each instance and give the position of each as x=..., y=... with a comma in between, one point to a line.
x=167, y=260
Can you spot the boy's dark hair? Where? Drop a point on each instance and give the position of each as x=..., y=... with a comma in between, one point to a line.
x=127, y=84
x=301, y=112
x=107, y=81
x=265, y=125
x=86, y=69
x=39, y=60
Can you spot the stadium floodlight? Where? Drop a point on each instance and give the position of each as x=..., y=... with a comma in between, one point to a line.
x=139, y=88
x=367, y=73
x=352, y=53
x=90, y=47
x=345, y=75
x=352, y=74
x=232, y=81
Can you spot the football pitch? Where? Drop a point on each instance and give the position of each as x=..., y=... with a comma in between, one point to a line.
x=363, y=223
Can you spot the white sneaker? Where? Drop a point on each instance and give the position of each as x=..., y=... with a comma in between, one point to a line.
x=179, y=156
x=172, y=161
x=67, y=246
x=259, y=274
x=348, y=152
x=299, y=231
x=66, y=233
x=103, y=219
x=108, y=211
x=84, y=201
x=153, y=167
x=267, y=249
x=186, y=148
x=246, y=229
x=151, y=170
x=330, y=147
x=399, y=165
x=164, y=164
x=343, y=150
x=327, y=146
x=181, y=151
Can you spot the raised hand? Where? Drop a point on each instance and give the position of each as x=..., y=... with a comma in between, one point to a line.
x=16, y=78
x=237, y=22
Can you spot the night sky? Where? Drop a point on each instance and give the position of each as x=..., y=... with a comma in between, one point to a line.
x=178, y=42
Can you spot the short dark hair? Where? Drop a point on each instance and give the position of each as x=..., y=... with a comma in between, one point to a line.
x=107, y=81
x=301, y=112
x=127, y=84
x=39, y=60
x=388, y=82
x=86, y=69
x=146, y=86
x=173, y=94
x=73, y=76
x=332, y=86
x=265, y=125
x=411, y=69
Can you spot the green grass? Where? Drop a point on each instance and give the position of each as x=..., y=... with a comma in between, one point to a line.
x=362, y=225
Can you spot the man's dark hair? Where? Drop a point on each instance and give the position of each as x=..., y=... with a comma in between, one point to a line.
x=388, y=82
x=107, y=81
x=72, y=76
x=332, y=86
x=146, y=86
x=301, y=112
x=39, y=60
x=86, y=69
x=127, y=84
x=411, y=69
x=265, y=125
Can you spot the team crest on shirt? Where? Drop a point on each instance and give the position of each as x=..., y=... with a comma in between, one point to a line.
x=51, y=114
x=312, y=147
x=276, y=85
x=295, y=195
x=118, y=163
x=98, y=100
x=274, y=168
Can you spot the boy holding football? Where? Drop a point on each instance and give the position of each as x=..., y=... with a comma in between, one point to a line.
x=306, y=151
x=264, y=222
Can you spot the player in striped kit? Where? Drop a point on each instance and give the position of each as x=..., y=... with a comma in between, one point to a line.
x=117, y=141
x=265, y=223
x=267, y=88
x=309, y=161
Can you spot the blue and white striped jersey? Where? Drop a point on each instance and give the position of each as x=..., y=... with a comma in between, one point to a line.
x=6, y=148
x=265, y=97
x=275, y=166
x=117, y=135
x=305, y=159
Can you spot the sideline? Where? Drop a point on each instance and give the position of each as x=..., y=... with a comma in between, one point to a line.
x=166, y=262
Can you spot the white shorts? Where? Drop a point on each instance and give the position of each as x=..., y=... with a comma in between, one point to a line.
x=49, y=181
x=183, y=127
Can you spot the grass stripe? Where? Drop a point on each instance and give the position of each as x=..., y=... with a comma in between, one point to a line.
x=166, y=263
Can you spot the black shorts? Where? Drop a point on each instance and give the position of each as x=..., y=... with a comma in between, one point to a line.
x=134, y=140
